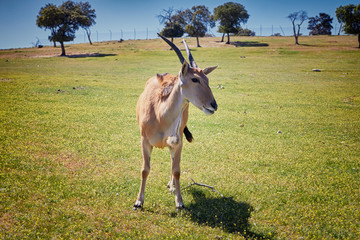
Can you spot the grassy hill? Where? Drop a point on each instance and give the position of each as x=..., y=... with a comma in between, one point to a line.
x=283, y=147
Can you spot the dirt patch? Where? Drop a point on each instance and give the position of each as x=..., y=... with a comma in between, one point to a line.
x=6, y=222
x=353, y=101
x=5, y=80
x=71, y=162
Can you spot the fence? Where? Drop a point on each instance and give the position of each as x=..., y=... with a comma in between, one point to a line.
x=110, y=35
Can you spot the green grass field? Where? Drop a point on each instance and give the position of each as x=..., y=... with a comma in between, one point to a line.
x=283, y=147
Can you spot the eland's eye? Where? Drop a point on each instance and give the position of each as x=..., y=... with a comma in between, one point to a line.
x=195, y=80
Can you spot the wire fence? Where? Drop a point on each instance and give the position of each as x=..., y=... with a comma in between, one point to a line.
x=110, y=35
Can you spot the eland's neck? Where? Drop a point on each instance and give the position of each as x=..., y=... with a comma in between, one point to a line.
x=175, y=104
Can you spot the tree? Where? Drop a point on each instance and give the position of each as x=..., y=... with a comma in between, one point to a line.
x=49, y=17
x=230, y=15
x=173, y=24
x=297, y=18
x=245, y=32
x=222, y=30
x=340, y=15
x=86, y=17
x=320, y=25
x=197, y=19
x=172, y=30
x=63, y=21
x=349, y=15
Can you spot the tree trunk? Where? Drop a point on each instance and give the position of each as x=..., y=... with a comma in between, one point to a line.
x=222, y=39
x=228, y=38
x=340, y=29
x=54, y=44
x=62, y=49
x=89, y=40
x=297, y=35
x=359, y=39
x=88, y=35
x=296, y=39
x=197, y=40
x=172, y=40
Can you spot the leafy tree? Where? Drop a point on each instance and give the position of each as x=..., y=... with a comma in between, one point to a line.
x=320, y=25
x=172, y=30
x=340, y=15
x=86, y=17
x=222, y=30
x=63, y=21
x=349, y=15
x=174, y=23
x=297, y=19
x=245, y=32
x=49, y=17
x=230, y=15
x=197, y=19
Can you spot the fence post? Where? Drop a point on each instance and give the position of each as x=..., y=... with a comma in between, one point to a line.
x=282, y=31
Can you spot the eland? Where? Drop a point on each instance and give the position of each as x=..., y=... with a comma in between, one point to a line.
x=162, y=114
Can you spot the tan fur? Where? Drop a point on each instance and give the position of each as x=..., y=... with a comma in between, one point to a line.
x=152, y=109
x=167, y=83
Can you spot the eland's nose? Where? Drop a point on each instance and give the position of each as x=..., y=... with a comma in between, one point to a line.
x=214, y=105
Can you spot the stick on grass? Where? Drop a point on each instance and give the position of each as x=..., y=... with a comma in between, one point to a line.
x=203, y=185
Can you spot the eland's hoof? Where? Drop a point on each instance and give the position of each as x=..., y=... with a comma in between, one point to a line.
x=138, y=205
x=180, y=207
x=137, y=208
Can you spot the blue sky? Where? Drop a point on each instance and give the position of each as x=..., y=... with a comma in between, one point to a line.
x=137, y=18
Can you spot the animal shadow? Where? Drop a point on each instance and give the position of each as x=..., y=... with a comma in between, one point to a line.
x=222, y=212
x=249, y=44
x=86, y=55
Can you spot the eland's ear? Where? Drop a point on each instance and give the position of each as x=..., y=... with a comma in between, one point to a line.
x=184, y=68
x=209, y=70
x=160, y=78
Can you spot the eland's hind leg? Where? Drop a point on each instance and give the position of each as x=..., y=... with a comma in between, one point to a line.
x=146, y=149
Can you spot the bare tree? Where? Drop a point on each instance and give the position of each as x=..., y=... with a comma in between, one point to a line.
x=173, y=22
x=297, y=18
x=166, y=15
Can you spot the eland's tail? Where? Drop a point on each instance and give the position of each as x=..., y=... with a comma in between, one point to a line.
x=188, y=134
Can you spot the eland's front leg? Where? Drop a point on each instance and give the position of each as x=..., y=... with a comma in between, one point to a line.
x=171, y=184
x=175, y=172
x=146, y=149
